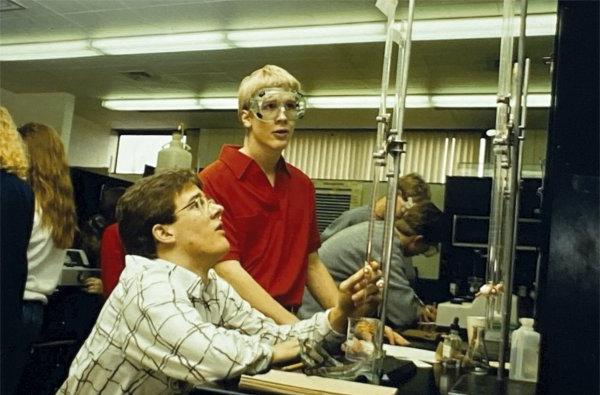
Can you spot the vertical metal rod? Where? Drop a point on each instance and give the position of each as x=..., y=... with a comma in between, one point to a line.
x=401, y=90
x=512, y=214
x=388, y=234
x=387, y=65
x=501, y=164
x=538, y=263
x=395, y=150
x=379, y=159
x=525, y=91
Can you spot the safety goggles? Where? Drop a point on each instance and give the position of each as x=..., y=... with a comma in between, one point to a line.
x=268, y=103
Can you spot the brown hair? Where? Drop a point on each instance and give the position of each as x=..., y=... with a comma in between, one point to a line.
x=409, y=186
x=51, y=181
x=148, y=202
x=414, y=186
x=423, y=219
x=267, y=76
x=13, y=153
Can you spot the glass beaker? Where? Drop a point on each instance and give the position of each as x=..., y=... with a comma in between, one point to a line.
x=477, y=352
x=361, y=342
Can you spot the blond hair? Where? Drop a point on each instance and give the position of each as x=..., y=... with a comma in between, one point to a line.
x=51, y=181
x=267, y=76
x=414, y=186
x=13, y=154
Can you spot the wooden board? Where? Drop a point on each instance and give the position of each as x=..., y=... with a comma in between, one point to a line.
x=276, y=381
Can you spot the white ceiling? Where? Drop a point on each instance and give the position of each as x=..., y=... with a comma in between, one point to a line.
x=437, y=67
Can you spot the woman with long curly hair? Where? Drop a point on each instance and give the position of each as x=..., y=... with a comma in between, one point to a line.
x=16, y=221
x=54, y=220
x=13, y=154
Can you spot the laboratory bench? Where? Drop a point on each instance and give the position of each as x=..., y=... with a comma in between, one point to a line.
x=431, y=381
x=423, y=378
x=435, y=380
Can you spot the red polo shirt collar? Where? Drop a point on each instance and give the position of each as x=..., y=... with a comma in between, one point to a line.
x=239, y=163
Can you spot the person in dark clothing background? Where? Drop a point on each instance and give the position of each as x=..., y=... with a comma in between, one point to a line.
x=16, y=221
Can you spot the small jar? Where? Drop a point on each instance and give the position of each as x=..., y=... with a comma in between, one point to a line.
x=452, y=347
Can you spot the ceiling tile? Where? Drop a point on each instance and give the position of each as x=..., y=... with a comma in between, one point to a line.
x=81, y=6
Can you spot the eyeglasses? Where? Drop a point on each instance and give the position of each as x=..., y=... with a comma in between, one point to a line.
x=268, y=103
x=199, y=203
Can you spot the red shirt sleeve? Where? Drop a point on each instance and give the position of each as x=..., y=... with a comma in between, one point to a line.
x=112, y=258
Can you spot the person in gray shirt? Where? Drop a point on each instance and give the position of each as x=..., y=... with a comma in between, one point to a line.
x=418, y=231
x=410, y=187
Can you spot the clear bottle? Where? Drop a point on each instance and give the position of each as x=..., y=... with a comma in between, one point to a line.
x=452, y=346
x=524, y=352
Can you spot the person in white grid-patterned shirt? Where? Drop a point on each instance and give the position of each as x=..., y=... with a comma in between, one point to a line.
x=172, y=322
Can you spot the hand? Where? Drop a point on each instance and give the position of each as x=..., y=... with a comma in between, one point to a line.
x=394, y=338
x=427, y=313
x=93, y=285
x=360, y=290
x=313, y=355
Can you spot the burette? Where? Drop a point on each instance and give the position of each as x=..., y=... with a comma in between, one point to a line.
x=508, y=137
x=389, y=142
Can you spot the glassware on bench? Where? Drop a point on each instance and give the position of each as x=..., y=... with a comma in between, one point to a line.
x=361, y=341
x=477, y=355
x=363, y=353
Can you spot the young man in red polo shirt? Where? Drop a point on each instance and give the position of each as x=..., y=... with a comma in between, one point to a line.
x=269, y=204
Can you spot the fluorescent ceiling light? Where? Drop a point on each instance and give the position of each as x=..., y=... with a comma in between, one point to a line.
x=219, y=103
x=539, y=100
x=412, y=101
x=463, y=101
x=540, y=25
x=151, y=104
x=323, y=102
x=491, y=27
x=208, y=103
x=423, y=30
x=534, y=100
x=311, y=35
x=54, y=50
x=162, y=43
x=343, y=101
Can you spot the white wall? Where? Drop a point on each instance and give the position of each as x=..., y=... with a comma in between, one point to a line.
x=54, y=109
x=87, y=144
x=92, y=145
x=210, y=142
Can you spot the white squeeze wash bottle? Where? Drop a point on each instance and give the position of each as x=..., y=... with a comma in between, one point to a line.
x=524, y=352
